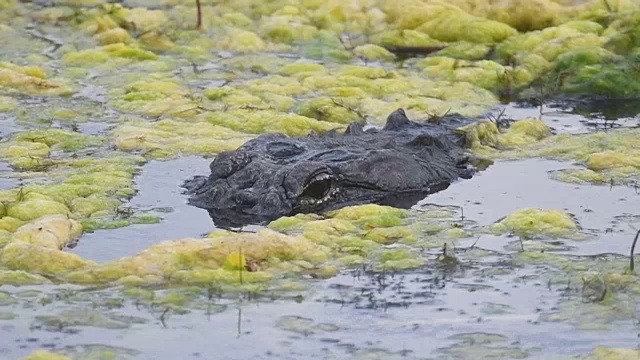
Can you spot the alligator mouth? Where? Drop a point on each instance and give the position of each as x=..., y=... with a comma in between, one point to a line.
x=318, y=189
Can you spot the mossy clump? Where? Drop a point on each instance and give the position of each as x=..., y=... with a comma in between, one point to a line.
x=168, y=138
x=25, y=154
x=486, y=74
x=535, y=223
x=371, y=52
x=7, y=104
x=154, y=97
x=465, y=50
x=609, y=80
x=203, y=260
x=524, y=132
x=549, y=43
x=113, y=36
x=326, y=45
x=104, y=54
x=612, y=154
x=604, y=353
x=580, y=176
x=46, y=355
x=36, y=248
x=328, y=109
x=445, y=22
x=302, y=67
x=485, y=138
x=59, y=139
x=20, y=277
x=255, y=121
x=240, y=40
x=35, y=208
x=608, y=156
x=370, y=213
x=287, y=29
x=398, y=260
x=30, y=80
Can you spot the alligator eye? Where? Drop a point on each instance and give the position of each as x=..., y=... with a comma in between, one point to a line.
x=318, y=188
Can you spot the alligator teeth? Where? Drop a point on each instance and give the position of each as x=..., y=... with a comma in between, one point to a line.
x=319, y=177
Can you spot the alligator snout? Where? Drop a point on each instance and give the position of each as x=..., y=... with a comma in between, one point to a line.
x=274, y=175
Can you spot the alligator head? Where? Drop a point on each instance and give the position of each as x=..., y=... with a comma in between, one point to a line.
x=274, y=175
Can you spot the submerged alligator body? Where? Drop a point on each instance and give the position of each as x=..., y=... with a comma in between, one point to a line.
x=274, y=175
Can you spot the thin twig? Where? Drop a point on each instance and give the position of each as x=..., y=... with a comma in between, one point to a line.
x=199, y=9
x=240, y=267
x=473, y=245
x=239, y=322
x=632, y=264
x=358, y=113
x=164, y=313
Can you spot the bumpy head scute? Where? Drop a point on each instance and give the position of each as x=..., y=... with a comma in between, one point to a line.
x=274, y=175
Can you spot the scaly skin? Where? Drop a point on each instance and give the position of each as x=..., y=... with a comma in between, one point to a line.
x=274, y=175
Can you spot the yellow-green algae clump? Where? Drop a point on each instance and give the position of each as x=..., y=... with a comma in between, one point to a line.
x=107, y=52
x=303, y=244
x=610, y=156
x=36, y=247
x=154, y=97
x=168, y=138
x=46, y=355
x=89, y=189
x=31, y=80
x=528, y=223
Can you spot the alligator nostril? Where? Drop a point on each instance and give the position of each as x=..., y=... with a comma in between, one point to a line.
x=317, y=189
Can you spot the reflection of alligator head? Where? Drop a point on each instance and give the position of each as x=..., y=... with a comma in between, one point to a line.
x=274, y=175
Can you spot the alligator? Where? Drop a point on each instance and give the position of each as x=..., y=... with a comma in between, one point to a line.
x=274, y=175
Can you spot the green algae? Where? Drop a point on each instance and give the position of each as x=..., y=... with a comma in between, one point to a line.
x=608, y=157
x=30, y=80
x=327, y=109
x=373, y=52
x=87, y=189
x=82, y=317
x=36, y=247
x=580, y=176
x=8, y=277
x=311, y=244
x=482, y=345
x=7, y=104
x=59, y=139
x=107, y=223
x=326, y=95
x=168, y=138
x=604, y=353
x=155, y=98
x=101, y=55
x=46, y=355
x=259, y=121
x=527, y=223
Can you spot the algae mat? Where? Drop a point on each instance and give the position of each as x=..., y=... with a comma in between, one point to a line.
x=106, y=108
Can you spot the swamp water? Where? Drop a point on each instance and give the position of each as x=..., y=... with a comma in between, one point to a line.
x=107, y=107
x=483, y=307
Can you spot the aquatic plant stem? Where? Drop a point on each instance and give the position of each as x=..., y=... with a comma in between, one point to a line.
x=240, y=265
x=633, y=248
x=199, y=9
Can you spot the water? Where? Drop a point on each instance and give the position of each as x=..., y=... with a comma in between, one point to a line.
x=508, y=186
x=159, y=189
x=414, y=315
